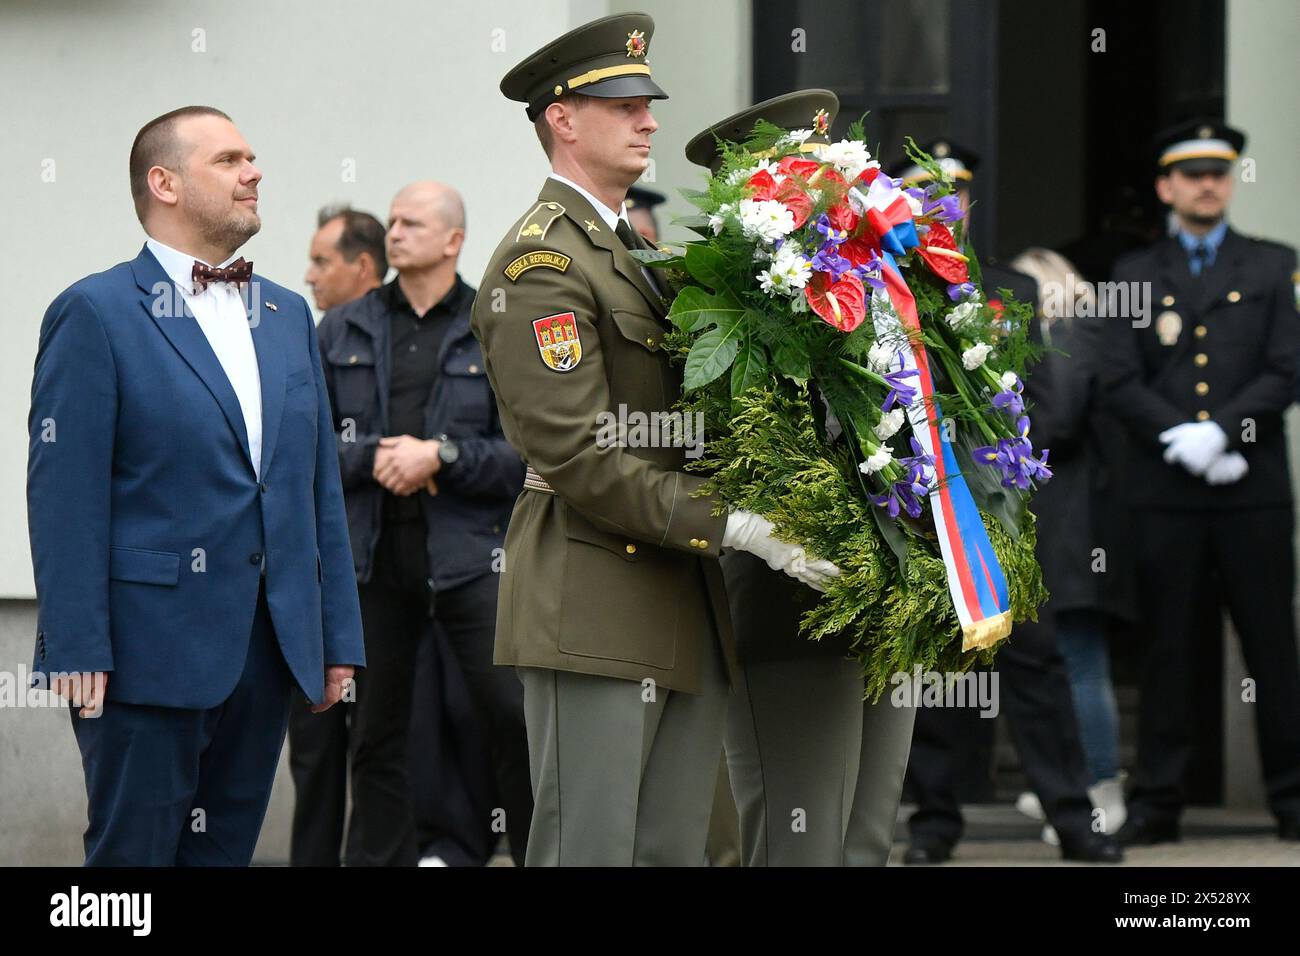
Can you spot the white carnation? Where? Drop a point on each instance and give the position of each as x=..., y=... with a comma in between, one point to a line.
x=963, y=314
x=765, y=219
x=879, y=460
x=890, y=422
x=974, y=356
x=1009, y=380
x=881, y=357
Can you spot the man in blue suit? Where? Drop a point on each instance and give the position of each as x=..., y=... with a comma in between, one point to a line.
x=187, y=526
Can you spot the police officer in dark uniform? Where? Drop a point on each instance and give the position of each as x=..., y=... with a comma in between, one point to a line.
x=640, y=204
x=1201, y=389
x=1035, y=689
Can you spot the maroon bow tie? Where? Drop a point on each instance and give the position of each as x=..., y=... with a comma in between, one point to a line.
x=238, y=271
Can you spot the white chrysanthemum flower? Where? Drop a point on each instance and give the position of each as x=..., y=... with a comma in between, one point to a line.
x=890, y=422
x=796, y=136
x=879, y=460
x=963, y=313
x=881, y=357
x=849, y=156
x=718, y=219
x=765, y=219
x=974, y=356
x=1009, y=380
x=788, y=273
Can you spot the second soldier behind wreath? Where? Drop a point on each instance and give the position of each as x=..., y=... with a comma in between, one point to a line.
x=1202, y=387
x=612, y=605
x=817, y=773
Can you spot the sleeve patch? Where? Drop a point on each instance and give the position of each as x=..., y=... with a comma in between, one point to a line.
x=543, y=258
x=558, y=341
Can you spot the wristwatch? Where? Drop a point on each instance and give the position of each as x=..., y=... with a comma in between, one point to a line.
x=448, y=450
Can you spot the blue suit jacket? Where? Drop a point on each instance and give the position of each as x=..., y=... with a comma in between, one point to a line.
x=149, y=528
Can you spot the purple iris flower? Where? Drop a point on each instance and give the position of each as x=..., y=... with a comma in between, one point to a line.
x=872, y=272
x=899, y=391
x=917, y=463
x=1009, y=402
x=833, y=235
x=887, y=500
x=944, y=209
x=1015, y=458
x=830, y=261
x=961, y=290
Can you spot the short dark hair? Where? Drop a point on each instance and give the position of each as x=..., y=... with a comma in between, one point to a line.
x=362, y=232
x=157, y=145
x=543, y=128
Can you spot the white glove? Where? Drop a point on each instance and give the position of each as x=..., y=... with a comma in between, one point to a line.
x=1227, y=469
x=1194, y=445
x=747, y=531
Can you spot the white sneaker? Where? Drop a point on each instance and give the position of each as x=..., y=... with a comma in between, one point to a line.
x=1027, y=803
x=1108, y=797
x=432, y=861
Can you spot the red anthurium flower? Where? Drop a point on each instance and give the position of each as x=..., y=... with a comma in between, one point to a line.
x=796, y=166
x=843, y=217
x=841, y=304
x=866, y=176
x=763, y=184
x=939, y=250
x=793, y=198
x=860, y=251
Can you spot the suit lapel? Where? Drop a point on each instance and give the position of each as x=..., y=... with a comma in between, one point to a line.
x=167, y=307
x=270, y=363
x=588, y=221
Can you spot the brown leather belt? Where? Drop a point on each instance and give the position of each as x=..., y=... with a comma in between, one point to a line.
x=535, y=482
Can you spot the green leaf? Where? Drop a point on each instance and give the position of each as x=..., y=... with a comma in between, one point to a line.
x=709, y=266
x=656, y=259
x=792, y=360
x=750, y=368
x=695, y=310
x=698, y=224
x=894, y=536
x=710, y=356
x=699, y=198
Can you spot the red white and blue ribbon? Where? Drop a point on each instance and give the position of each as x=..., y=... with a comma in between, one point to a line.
x=975, y=579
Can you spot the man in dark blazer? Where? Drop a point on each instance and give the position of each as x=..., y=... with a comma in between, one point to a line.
x=187, y=529
x=1201, y=381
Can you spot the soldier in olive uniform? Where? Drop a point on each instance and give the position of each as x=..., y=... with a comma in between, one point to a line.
x=1201, y=388
x=612, y=604
x=817, y=774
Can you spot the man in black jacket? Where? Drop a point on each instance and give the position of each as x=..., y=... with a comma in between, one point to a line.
x=429, y=482
x=1201, y=387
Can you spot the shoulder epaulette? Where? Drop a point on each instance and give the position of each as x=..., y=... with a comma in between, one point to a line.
x=538, y=222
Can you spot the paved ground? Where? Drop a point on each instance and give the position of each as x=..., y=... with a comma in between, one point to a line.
x=998, y=835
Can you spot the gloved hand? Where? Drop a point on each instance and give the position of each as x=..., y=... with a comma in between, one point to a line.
x=1227, y=469
x=750, y=532
x=1194, y=445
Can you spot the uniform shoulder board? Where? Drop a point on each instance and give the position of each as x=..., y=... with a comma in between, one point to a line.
x=538, y=222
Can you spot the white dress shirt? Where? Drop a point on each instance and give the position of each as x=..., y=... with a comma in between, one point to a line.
x=219, y=310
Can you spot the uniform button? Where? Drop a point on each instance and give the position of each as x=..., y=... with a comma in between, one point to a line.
x=496, y=529
x=1234, y=296
x=650, y=342
x=413, y=348
x=263, y=486
x=704, y=544
x=1167, y=301
x=631, y=549
x=1200, y=331
x=352, y=360
x=695, y=542
x=1202, y=416
x=1201, y=359
x=1202, y=388
x=255, y=557
x=473, y=370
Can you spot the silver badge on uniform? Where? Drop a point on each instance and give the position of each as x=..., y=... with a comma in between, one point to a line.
x=1169, y=325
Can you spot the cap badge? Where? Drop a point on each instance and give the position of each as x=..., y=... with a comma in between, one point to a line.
x=1205, y=132
x=821, y=123
x=636, y=44
x=941, y=150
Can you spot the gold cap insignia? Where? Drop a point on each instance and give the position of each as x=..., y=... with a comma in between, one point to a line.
x=636, y=44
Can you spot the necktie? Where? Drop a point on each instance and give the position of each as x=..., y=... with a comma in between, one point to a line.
x=624, y=232
x=238, y=271
x=1198, y=258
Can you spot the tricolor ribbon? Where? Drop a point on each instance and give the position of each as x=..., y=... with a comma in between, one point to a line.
x=975, y=579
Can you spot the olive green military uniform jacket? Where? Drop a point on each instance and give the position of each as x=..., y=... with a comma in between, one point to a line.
x=615, y=573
